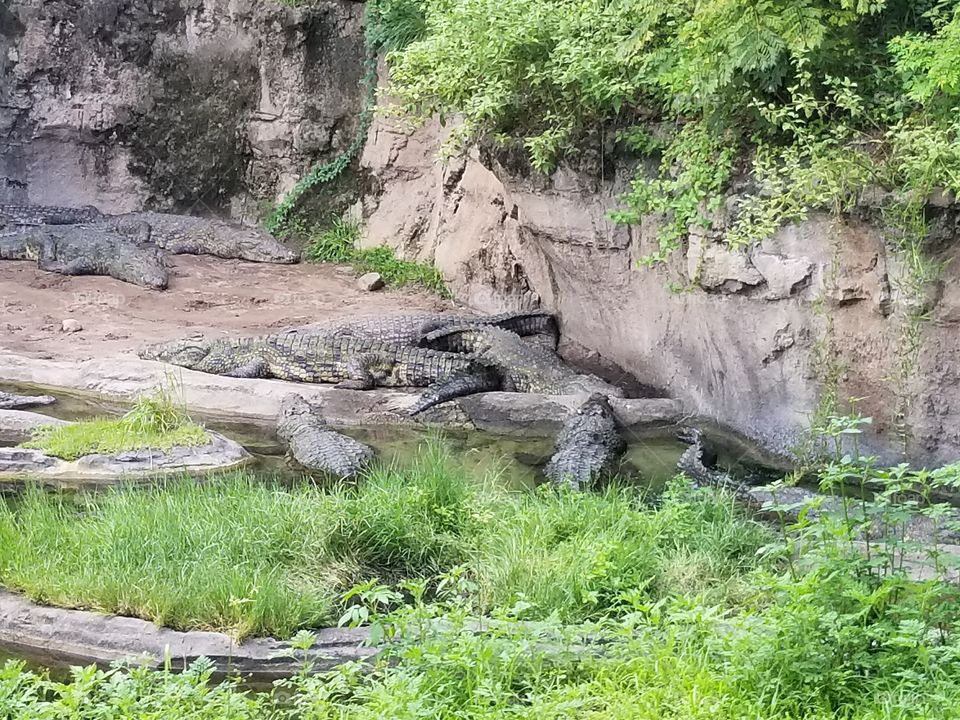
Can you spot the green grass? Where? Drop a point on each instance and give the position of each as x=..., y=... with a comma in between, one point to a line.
x=596, y=606
x=250, y=557
x=155, y=421
x=338, y=243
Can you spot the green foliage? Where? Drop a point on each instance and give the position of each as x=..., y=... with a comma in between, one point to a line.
x=254, y=558
x=156, y=421
x=694, y=171
x=338, y=243
x=400, y=272
x=394, y=24
x=693, y=611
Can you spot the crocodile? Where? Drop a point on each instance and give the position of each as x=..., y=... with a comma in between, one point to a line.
x=523, y=367
x=89, y=250
x=9, y=401
x=47, y=215
x=412, y=329
x=589, y=447
x=316, y=446
x=785, y=503
x=353, y=363
x=188, y=235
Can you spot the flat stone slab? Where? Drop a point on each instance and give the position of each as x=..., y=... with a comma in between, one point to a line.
x=56, y=637
x=258, y=401
x=18, y=464
x=16, y=426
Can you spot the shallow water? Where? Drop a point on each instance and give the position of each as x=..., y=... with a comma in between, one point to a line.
x=517, y=461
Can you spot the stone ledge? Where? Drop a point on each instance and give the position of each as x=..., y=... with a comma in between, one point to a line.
x=258, y=401
x=58, y=638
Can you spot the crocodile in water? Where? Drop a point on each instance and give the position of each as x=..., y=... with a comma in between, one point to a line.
x=89, y=250
x=589, y=447
x=9, y=401
x=316, y=446
x=412, y=329
x=47, y=215
x=785, y=503
x=523, y=367
x=352, y=362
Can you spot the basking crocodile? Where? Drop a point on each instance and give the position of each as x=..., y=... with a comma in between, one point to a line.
x=187, y=235
x=411, y=329
x=354, y=363
x=9, y=401
x=589, y=447
x=47, y=215
x=524, y=367
x=314, y=445
x=89, y=250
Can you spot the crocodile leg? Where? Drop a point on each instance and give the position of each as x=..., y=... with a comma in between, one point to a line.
x=255, y=368
x=360, y=368
x=483, y=379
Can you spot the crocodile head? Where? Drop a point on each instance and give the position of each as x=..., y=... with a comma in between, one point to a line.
x=597, y=405
x=146, y=265
x=294, y=407
x=590, y=384
x=188, y=353
x=256, y=245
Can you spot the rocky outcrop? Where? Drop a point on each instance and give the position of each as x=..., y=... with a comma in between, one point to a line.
x=219, y=453
x=740, y=336
x=198, y=105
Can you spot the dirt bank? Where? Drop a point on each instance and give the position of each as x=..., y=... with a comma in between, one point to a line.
x=206, y=295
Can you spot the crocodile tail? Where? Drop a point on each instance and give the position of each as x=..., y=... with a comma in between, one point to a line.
x=467, y=382
x=456, y=338
x=529, y=323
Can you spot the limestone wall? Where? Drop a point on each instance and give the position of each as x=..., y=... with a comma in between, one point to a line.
x=203, y=105
x=733, y=335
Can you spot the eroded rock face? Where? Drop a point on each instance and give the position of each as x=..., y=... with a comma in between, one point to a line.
x=733, y=334
x=201, y=105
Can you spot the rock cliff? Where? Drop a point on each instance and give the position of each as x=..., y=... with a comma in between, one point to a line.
x=748, y=338
x=201, y=105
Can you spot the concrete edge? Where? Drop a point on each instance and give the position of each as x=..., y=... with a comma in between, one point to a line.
x=58, y=638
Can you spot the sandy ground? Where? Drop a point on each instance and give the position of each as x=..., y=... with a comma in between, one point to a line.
x=208, y=295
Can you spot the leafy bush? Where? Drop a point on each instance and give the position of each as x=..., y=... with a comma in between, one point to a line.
x=806, y=96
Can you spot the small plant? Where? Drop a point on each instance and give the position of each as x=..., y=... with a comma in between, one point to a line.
x=338, y=243
x=156, y=421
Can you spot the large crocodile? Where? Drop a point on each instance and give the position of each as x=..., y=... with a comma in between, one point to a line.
x=354, y=363
x=177, y=234
x=412, y=329
x=187, y=235
x=47, y=215
x=9, y=401
x=89, y=250
x=522, y=366
x=589, y=448
x=314, y=445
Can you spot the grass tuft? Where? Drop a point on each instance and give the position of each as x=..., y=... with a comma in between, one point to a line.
x=156, y=421
x=338, y=243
